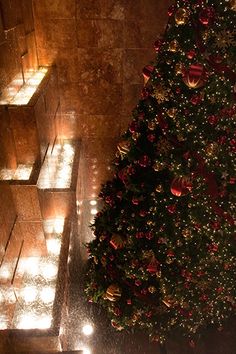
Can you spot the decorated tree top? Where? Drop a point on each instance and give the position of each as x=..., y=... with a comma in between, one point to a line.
x=163, y=258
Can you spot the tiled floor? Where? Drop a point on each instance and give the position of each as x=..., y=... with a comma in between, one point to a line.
x=105, y=340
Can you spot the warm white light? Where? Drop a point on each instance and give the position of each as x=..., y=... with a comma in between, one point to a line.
x=22, y=173
x=26, y=321
x=44, y=322
x=49, y=270
x=87, y=351
x=54, y=246
x=29, y=293
x=47, y=294
x=58, y=225
x=3, y=322
x=31, y=266
x=94, y=211
x=93, y=202
x=5, y=272
x=87, y=329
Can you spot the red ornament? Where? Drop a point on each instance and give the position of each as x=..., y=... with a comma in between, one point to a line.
x=147, y=71
x=171, y=208
x=196, y=99
x=195, y=76
x=133, y=127
x=171, y=10
x=191, y=54
x=158, y=44
x=144, y=161
x=181, y=186
x=206, y=16
x=213, y=119
x=153, y=266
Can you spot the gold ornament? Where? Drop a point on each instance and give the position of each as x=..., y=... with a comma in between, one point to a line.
x=181, y=16
x=172, y=112
x=232, y=4
x=158, y=166
x=151, y=125
x=211, y=149
x=173, y=46
x=167, y=302
x=117, y=241
x=163, y=146
x=179, y=68
x=224, y=39
x=159, y=188
x=104, y=261
x=161, y=93
x=152, y=289
x=186, y=233
x=123, y=147
x=113, y=293
x=135, y=136
x=95, y=259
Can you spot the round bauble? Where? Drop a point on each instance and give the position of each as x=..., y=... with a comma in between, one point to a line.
x=181, y=186
x=113, y=293
x=117, y=241
x=173, y=46
x=181, y=16
x=195, y=76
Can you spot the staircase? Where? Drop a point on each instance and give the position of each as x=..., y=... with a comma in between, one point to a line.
x=38, y=176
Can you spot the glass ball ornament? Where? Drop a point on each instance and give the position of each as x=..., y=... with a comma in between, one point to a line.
x=181, y=16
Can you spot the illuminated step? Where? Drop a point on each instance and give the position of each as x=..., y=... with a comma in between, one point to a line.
x=12, y=96
x=21, y=173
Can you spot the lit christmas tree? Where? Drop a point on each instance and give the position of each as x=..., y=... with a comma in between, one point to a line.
x=164, y=257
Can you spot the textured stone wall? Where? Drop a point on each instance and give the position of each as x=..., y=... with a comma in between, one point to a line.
x=100, y=48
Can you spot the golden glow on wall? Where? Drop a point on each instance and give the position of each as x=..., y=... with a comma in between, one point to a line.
x=24, y=94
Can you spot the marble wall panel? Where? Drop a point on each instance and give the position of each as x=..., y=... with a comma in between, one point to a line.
x=98, y=126
x=23, y=125
x=108, y=65
x=26, y=202
x=100, y=33
x=21, y=40
x=55, y=9
x=34, y=239
x=11, y=13
x=59, y=204
x=2, y=34
x=7, y=144
x=31, y=48
x=27, y=12
x=10, y=62
x=101, y=9
x=7, y=216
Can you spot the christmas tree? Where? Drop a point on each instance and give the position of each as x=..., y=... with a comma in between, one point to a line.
x=163, y=258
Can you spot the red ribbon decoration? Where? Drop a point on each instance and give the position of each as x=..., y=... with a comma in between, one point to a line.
x=147, y=71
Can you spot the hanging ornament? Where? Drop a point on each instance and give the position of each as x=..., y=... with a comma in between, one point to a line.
x=158, y=44
x=113, y=293
x=211, y=149
x=232, y=5
x=181, y=16
x=158, y=166
x=117, y=241
x=224, y=39
x=172, y=112
x=195, y=76
x=123, y=147
x=173, y=46
x=178, y=68
x=163, y=146
x=147, y=72
x=171, y=10
x=191, y=54
x=161, y=93
x=159, y=188
x=207, y=15
x=153, y=266
x=181, y=186
x=151, y=125
x=186, y=233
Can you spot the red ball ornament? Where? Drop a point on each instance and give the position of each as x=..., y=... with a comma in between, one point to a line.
x=195, y=99
x=171, y=10
x=206, y=16
x=191, y=54
x=195, y=76
x=181, y=186
x=213, y=119
x=171, y=208
x=144, y=161
x=153, y=266
x=158, y=44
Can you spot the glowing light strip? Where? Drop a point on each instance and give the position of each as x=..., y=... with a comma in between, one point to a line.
x=23, y=96
x=22, y=173
x=56, y=171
